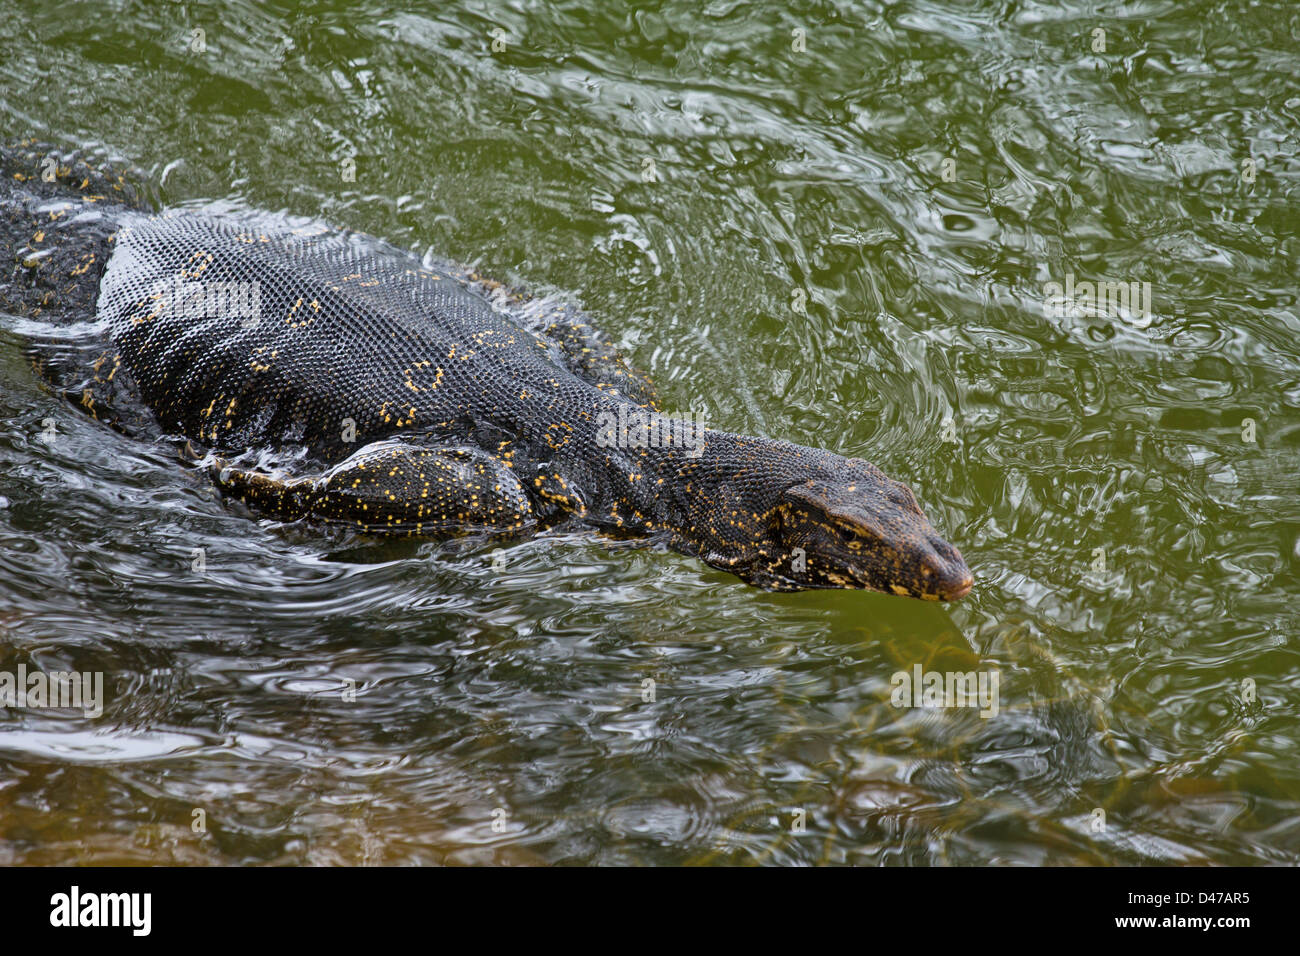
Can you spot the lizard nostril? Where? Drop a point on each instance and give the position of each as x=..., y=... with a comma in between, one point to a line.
x=947, y=578
x=962, y=588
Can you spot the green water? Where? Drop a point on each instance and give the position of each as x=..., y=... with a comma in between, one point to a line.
x=842, y=236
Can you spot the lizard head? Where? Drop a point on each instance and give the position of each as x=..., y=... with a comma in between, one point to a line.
x=858, y=528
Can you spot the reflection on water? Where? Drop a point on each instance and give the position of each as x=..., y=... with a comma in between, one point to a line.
x=848, y=245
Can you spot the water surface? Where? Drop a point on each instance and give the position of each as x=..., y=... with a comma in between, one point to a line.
x=831, y=223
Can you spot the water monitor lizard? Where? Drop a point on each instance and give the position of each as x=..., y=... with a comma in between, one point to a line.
x=416, y=405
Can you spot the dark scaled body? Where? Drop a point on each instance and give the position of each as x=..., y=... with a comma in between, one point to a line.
x=418, y=405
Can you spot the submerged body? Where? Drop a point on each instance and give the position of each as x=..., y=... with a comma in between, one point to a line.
x=418, y=406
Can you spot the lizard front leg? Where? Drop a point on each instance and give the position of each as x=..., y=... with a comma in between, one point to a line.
x=393, y=487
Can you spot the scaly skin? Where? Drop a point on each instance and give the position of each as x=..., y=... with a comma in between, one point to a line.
x=421, y=408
